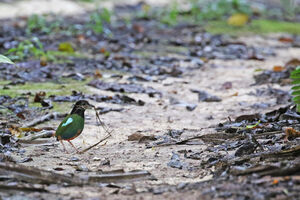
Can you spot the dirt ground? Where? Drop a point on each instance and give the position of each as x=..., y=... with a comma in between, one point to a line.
x=156, y=117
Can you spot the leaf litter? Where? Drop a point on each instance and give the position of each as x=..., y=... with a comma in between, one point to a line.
x=254, y=156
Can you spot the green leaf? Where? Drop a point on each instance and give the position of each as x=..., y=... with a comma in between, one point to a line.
x=296, y=100
x=296, y=92
x=297, y=71
x=297, y=87
x=296, y=81
x=4, y=59
x=253, y=126
x=66, y=47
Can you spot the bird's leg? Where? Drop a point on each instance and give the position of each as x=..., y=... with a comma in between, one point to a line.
x=73, y=146
x=63, y=146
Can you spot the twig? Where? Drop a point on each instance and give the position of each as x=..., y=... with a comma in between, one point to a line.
x=105, y=138
x=35, y=175
x=119, y=177
x=42, y=134
x=105, y=129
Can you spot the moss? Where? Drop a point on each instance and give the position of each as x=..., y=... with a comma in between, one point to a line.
x=64, y=88
x=255, y=27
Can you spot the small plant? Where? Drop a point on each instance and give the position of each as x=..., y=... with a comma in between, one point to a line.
x=216, y=10
x=39, y=23
x=34, y=48
x=171, y=16
x=295, y=76
x=27, y=49
x=98, y=20
x=144, y=13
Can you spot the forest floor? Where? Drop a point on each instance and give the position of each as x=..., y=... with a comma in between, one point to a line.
x=193, y=115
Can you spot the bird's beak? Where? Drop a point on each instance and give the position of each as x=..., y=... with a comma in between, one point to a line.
x=89, y=106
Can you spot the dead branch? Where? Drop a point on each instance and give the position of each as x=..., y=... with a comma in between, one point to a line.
x=45, y=118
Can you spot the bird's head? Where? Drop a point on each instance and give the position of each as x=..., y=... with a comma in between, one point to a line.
x=83, y=104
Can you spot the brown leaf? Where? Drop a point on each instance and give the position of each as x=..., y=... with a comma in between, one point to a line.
x=98, y=74
x=278, y=68
x=292, y=63
x=140, y=137
x=39, y=96
x=291, y=134
x=138, y=28
x=102, y=50
x=286, y=39
x=227, y=85
x=21, y=115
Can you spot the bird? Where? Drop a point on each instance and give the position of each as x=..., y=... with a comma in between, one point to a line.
x=72, y=125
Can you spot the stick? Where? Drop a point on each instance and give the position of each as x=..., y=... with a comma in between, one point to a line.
x=44, y=119
x=85, y=150
x=105, y=129
x=42, y=134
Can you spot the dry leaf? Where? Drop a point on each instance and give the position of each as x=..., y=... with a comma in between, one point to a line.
x=292, y=63
x=140, y=137
x=275, y=181
x=235, y=94
x=66, y=47
x=285, y=39
x=278, y=68
x=138, y=28
x=98, y=74
x=291, y=133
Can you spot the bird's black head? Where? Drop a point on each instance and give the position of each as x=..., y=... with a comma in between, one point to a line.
x=80, y=107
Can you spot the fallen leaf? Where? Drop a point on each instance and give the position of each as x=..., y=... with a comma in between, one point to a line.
x=234, y=94
x=227, y=85
x=278, y=68
x=66, y=47
x=102, y=50
x=39, y=96
x=4, y=59
x=291, y=133
x=292, y=63
x=98, y=74
x=275, y=181
x=140, y=137
x=238, y=19
x=43, y=61
x=21, y=115
x=285, y=39
x=253, y=126
x=138, y=28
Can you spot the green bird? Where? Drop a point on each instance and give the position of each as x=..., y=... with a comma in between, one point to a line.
x=73, y=124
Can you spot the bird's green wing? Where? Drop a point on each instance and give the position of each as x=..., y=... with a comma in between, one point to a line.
x=70, y=127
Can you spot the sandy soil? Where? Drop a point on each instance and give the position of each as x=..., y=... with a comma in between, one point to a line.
x=61, y=7
x=156, y=117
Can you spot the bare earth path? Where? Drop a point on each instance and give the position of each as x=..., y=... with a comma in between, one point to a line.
x=157, y=117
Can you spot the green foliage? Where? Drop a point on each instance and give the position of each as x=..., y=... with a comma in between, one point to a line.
x=98, y=19
x=4, y=59
x=289, y=8
x=34, y=48
x=39, y=23
x=216, y=10
x=144, y=13
x=255, y=27
x=170, y=17
x=295, y=76
x=26, y=49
